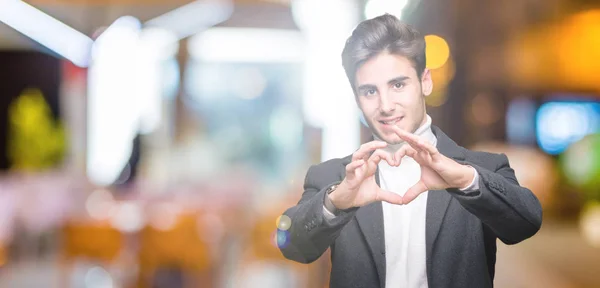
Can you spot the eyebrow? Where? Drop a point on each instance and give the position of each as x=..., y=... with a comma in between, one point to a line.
x=398, y=79
x=366, y=87
x=390, y=82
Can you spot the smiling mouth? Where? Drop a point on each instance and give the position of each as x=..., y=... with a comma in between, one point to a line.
x=391, y=122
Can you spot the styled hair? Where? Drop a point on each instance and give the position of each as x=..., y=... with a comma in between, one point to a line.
x=384, y=33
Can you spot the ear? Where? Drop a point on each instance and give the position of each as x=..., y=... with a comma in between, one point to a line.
x=426, y=82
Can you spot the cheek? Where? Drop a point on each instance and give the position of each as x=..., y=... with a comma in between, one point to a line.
x=368, y=107
x=410, y=99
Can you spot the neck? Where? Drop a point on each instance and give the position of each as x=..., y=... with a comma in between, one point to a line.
x=424, y=131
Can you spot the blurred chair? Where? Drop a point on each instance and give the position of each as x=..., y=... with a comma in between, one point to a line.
x=263, y=265
x=179, y=245
x=3, y=256
x=95, y=241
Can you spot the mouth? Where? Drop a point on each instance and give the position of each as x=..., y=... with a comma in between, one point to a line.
x=390, y=122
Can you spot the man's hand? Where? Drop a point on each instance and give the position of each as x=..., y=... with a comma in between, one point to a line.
x=359, y=188
x=437, y=171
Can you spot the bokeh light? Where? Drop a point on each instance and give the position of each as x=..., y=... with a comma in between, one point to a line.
x=281, y=238
x=284, y=222
x=484, y=111
x=100, y=205
x=129, y=217
x=559, y=124
x=437, y=51
x=441, y=78
x=560, y=55
x=98, y=277
x=578, y=49
x=581, y=164
x=163, y=216
x=589, y=223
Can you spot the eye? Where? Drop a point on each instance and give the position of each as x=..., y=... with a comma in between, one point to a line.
x=369, y=92
x=398, y=85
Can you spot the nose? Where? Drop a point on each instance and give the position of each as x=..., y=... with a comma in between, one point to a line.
x=386, y=104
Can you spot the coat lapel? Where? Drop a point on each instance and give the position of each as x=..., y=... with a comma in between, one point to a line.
x=438, y=200
x=370, y=220
x=370, y=217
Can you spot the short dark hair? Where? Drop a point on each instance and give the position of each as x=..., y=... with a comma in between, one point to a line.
x=384, y=33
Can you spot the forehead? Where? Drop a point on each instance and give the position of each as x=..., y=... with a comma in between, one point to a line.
x=384, y=67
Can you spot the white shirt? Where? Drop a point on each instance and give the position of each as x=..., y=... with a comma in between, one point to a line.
x=404, y=225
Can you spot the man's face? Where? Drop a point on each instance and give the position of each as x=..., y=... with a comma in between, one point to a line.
x=389, y=92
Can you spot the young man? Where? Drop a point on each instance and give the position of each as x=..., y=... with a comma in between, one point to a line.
x=411, y=208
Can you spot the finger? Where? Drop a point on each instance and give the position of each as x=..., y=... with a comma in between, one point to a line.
x=375, y=158
x=430, y=148
x=350, y=168
x=415, y=155
x=425, y=155
x=395, y=161
x=366, y=149
x=424, y=145
x=401, y=133
x=400, y=153
x=361, y=171
x=380, y=154
x=410, y=151
x=414, y=143
x=389, y=197
x=412, y=139
x=413, y=192
x=372, y=164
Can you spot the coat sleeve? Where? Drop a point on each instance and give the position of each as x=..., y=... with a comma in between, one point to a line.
x=310, y=232
x=511, y=211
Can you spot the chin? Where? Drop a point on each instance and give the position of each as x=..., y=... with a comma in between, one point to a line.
x=390, y=138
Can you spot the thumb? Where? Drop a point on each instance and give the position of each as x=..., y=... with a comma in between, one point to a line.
x=389, y=197
x=414, y=191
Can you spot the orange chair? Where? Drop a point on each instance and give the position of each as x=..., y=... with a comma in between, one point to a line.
x=93, y=240
x=3, y=258
x=181, y=246
x=260, y=248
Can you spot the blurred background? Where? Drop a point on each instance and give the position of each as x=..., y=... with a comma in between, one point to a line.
x=154, y=143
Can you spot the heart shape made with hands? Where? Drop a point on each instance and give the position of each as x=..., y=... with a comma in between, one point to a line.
x=438, y=172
